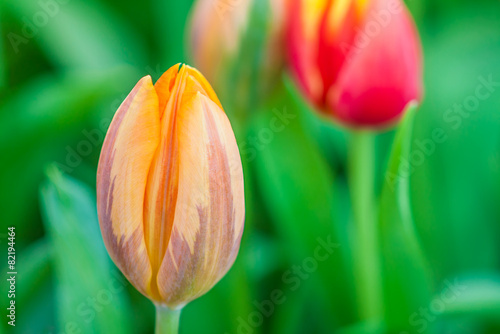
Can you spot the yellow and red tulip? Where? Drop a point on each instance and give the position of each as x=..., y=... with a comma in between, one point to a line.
x=356, y=60
x=238, y=55
x=170, y=188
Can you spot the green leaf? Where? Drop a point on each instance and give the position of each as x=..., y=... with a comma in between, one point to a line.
x=36, y=268
x=365, y=327
x=31, y=282
x=90, y=293
x=3, y=64
x=298, y=189
x=46, y=121
x=405, y=272
x=477, y=296
x=455, y=187
x=77, y=35
x=33, y=287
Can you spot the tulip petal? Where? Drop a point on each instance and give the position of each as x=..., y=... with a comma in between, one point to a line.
x=379, y=80
x=168, y=80
x=164, y=87
x=126, y=156
x=303, y=24
x=209, y=213
x=335, y=37
x=178, y=84
x=162, y=184
x=216, y=30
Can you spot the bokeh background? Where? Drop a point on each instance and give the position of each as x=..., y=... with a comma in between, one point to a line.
x=66, y=65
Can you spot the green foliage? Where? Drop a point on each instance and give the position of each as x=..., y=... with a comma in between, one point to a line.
x=405, y=271
x=438, y=226
x=89, y=292
x=301, y=207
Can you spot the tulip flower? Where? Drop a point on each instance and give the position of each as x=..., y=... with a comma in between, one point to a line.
x=170, y=188
x=239, y=45
x=356, y=60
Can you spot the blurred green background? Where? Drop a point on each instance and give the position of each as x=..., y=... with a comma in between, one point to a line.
x=66, y=65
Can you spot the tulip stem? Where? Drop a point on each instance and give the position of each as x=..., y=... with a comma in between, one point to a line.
x=366, y=249
x=167, y=320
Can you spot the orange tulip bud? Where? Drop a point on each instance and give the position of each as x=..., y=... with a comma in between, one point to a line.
x=170, y=188
x=357, y=60
x=239, y=45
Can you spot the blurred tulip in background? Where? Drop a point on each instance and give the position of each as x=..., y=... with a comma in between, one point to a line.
x=357, y=60
x=239, y=46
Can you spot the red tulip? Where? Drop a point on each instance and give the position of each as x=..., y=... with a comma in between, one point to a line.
x=357, y=60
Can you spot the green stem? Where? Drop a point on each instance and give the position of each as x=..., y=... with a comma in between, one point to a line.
x=167, y=320
x=366, y=248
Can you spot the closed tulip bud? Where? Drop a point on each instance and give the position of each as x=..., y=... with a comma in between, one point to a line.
x=356, y=60
x=170, y=188
x=239, y=45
